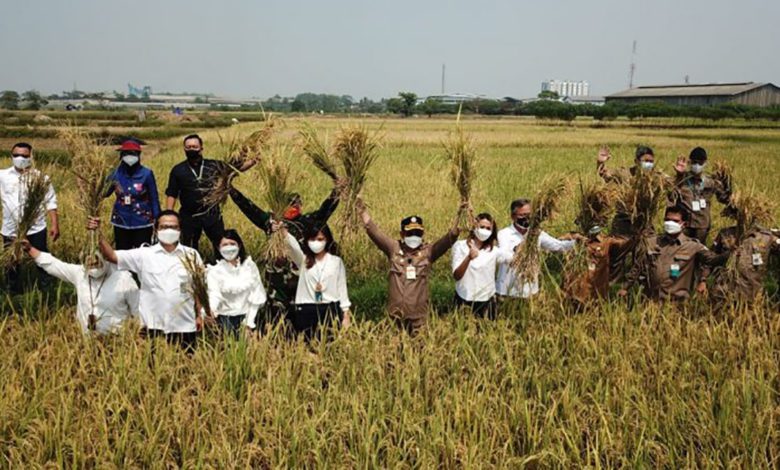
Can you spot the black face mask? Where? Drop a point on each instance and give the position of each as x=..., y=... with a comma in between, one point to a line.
x=522, y=222
x=192, y=155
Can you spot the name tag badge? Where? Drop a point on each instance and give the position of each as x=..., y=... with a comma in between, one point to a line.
x=591, y=266
x=757, y=259
x=696, y=206
x=127, y=200
x=674, y=271
x=411, y=273
x=703, y=203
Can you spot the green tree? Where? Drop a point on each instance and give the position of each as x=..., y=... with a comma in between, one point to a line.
x=549, y=95
x=409, y=100
x=9, y=99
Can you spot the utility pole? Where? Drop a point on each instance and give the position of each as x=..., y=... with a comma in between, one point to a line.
x=632, y=69
x=443, y=73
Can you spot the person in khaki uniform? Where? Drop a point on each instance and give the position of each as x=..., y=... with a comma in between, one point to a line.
x=594, y=283
x=695, y=192
x=674, y=262
x=411, y=261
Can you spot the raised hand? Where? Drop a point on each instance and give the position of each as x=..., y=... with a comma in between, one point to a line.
x=603, y=155
x=681, y=164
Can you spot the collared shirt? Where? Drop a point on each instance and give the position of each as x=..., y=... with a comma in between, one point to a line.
x=410, y=270
x=751, y=260
x=478, y=283
x=236, y=290
x=692, y=190
x=13, y=193
x=112, y=299
x=594, y=282
x=166, y=302
x=328, y=276
x=508, y=239
x=189, y=185
x=137, y=202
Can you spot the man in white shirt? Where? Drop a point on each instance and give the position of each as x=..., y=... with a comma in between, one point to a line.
x=509, y=238
x=13, y=195
x=106, y=298
x=166, y=304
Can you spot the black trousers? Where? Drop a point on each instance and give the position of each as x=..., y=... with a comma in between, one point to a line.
x=231, y=326
x=13, y=277
x=193, y=227
x=486, y=309
x=127, y=238
x=309, y=319
x=186, y=341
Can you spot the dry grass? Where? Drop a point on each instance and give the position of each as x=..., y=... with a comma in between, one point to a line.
x=197, y=280
x=461, y=155
x=35, y=187
x=277, y=175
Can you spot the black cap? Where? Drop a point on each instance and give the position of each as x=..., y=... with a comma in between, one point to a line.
x=698, y=154
x=413, y=222
x=643, y=150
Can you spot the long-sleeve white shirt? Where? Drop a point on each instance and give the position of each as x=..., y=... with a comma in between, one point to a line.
x=112, y=299
x=13, y=194
x=329, y=273
x=166, y=302
x=236, y=290
x=508, y=239
x=478, y=283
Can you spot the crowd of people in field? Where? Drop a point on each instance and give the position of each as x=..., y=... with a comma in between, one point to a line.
x=142, y=274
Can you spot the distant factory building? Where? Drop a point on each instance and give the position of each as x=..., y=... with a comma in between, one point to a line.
x=455, y=98
x=566, y=88
x=747, y=93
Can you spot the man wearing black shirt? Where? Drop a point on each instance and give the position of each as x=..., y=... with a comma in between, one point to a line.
x=188, y=182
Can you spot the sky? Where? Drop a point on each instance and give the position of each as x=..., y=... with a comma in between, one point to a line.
x=498, y=48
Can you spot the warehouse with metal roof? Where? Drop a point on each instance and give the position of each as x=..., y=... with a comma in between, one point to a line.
x=747, y=93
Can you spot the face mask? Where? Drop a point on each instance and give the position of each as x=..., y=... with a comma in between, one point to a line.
x=413, y=241
x=192, y=154
x=168, y=236
x=672, y=228
x=522, y=222
x=292, y=213
x=482, y=234
x=697, y=168
x=130, y=160
x=316, y=246
x=647, y=166
x=97, y=273
x=22, y=163
x=595, y=230
x=229, y=252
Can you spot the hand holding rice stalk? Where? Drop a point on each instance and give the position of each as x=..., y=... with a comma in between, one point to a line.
x=528, y=257
x=36, y=189
x=197, y=274
x=92, y=167
x=461, y=154
x=238, y=157
x=276, y=174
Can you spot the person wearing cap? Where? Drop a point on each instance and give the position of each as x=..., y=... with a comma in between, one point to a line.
x=695, y=192
x=411, y=261
x=137, y=202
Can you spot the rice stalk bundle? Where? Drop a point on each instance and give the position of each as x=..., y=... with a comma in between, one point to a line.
x=595, y=205
x=527, y=260
x=721, y=172
x=317, y=151
x=276, y=175
x=197, y=279
x=461, y=154
x=35, y=191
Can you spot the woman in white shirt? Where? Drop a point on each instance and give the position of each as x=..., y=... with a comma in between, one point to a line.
x=235, y=289
x=474, y=262
x=321, y=297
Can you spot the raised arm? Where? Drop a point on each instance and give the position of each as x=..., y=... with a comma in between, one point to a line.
x=328, y=206
x=381, y=240
x=255, y=214
x=53, y=266
x=296, y=253
x=108, y=252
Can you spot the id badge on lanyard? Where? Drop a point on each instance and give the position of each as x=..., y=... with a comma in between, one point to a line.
x=411, y=273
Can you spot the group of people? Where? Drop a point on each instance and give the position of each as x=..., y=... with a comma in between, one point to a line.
x=143, y=273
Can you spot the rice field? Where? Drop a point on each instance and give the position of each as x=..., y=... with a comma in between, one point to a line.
x=624, y=384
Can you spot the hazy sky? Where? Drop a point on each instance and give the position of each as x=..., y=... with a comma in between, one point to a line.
x=370, y=48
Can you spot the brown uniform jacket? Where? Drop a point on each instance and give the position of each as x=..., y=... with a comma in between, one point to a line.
x=594, y=283
x=692, y=259
x=408, y=298
x=692, y=188
x=751, y=260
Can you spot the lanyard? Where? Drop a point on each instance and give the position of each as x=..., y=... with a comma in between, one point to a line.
x=93, y=299
x=319, y=277
x=199, y=175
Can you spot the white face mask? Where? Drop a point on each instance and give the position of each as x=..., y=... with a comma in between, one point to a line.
x=595, y=230
x=647, y=166
x=413, y=241
x=483, y=234
x=316, y=246
x=229, y=252
x=97, y=273
x=697, y=168
x=168, y=236
x=672, y=228
x=130, y=160
x=22, y=163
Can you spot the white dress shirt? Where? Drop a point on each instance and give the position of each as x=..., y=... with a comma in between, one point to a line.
x=13, y=193
x=166, y=302
x=112, y=299
x=236, y=290
x=329, y=272
x=508, y=239
x=478, y=283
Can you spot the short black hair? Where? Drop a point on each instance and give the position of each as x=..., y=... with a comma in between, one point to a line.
x=22, y=145
x=643, y=150
x=164, y=213
x=232, y=234
x=518, y=203
x=194, y=136
x=676, y=209
x=698, y=154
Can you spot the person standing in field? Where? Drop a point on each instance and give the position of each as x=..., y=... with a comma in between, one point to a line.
x=189, y=181
x=474, y=263
x=695, y=192
x=281, y=275
x=509, y=240
x=235, y=289
x=137, y=203
x=105, y=297
x=674, y=264
x=411, y=261
x=13, y=194
x=166, y=304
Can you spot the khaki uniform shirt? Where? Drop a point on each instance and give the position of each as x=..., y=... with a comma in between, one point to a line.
x=692, y=190
x=594, y=283
x=751, y=260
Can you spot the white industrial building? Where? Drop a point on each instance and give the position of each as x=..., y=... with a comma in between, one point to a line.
x=566, y=88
